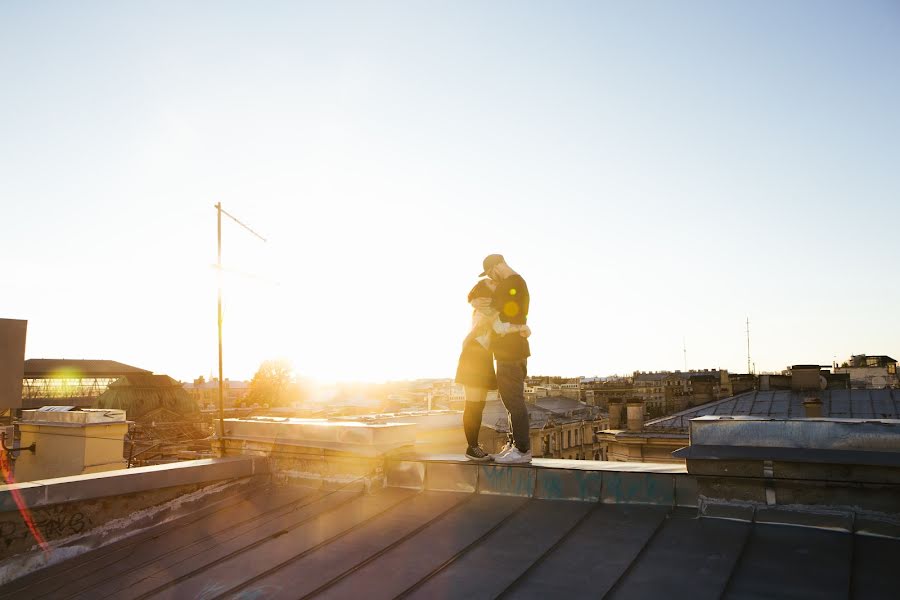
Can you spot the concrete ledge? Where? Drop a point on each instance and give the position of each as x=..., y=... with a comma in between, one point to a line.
x=406, y=474
x=686, y=491
x=568, y=484
x=549, y=479
x=46, y=492
x=553, y=463
x=356, y=437
x=639, y=488
x=506, y=480
x=451, y=476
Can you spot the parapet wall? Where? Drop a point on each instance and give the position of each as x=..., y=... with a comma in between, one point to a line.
x=318, y=452
x=550, y=479
x=87, y=510
x=835, y=473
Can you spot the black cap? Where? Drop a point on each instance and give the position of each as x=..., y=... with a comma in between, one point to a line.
x=491, y=261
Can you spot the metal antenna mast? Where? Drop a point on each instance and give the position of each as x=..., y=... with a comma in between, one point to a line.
x=684, y=348
x=219, y=212
x=748, y=346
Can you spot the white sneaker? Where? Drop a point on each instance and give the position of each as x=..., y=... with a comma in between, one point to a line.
x=514, y=457
x=503, y=451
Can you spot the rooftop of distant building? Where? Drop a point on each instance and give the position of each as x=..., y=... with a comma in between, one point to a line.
x=77, y=367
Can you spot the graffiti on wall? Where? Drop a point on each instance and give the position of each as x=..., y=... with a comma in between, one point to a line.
x=53, y=522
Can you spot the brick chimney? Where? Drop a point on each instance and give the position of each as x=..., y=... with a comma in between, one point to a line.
x=635, y=412
x=615, y=413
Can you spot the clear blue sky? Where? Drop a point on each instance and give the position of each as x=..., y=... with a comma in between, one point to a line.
x=656, y=171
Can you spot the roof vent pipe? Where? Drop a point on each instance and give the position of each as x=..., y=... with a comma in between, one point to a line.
x=812, y=407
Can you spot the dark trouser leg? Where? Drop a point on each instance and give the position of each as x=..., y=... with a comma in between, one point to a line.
x=472, y=412
x=511, y=381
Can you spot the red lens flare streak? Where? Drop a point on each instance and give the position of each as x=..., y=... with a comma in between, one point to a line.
x=20, y=503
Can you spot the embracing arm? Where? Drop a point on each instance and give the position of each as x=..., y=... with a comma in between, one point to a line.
x=506, y=328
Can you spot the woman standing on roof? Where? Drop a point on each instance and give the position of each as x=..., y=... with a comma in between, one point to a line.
x=475, y=370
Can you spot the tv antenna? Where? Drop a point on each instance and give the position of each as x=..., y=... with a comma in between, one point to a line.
x=219, y=212
x=749, y=371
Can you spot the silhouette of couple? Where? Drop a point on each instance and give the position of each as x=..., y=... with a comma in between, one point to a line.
x=499, y=331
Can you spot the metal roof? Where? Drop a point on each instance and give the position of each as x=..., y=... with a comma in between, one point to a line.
x=292, y=542
x=68, y=368
x=141, y=393
x=850, y=404
x=561, y=404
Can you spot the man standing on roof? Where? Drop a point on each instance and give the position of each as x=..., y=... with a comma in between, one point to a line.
x=511, y=351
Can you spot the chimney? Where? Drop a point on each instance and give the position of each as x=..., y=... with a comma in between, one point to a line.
x=615, y=413
x=812, y=407
x=635, y=412
x=804, y=378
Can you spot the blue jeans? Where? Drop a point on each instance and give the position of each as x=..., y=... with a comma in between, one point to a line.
x=511, y=383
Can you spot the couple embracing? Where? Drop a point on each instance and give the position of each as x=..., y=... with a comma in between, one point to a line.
x=499, y=331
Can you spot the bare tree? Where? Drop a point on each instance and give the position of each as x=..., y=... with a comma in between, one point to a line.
x=274, y=384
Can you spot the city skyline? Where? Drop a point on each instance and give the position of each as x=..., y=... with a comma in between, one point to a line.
x=657, y=173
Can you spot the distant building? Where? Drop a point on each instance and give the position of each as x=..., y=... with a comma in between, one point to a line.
x=626, y=439
x=570, y=390
x=664, y=392
x=806, y=393
x=704, y=388
x=12, y=361
x=168, y=425
x=599, y=393
x=742, y=382
x=561, y=427
x=149, y=398
x=66, y=381
x=870, y=372
x=206, y=393
x=458, y=397
x=649, y=388
x=535, y=392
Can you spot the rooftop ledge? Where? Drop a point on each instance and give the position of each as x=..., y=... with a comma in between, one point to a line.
x=46, y=492
x=555, y=463
x=359, y=437
x=550, y=479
